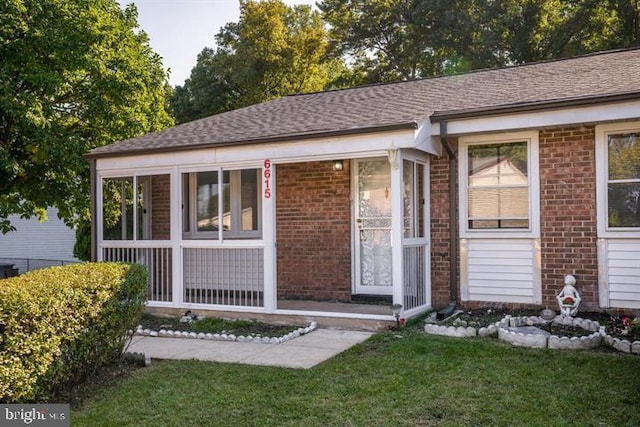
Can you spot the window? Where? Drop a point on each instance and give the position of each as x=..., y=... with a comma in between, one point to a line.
x=143, y=213
x=623, y=180
x=117, y=208
x=498, y=186
x=224, y=202
x=414, y=203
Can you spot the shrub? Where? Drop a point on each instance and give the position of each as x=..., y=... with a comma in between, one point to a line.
x=59, y=325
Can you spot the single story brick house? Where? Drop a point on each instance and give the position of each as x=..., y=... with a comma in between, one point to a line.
x=483, y=188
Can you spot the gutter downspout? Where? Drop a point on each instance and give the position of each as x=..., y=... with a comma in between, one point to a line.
x=453, y=221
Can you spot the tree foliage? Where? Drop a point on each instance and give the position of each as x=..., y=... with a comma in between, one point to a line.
x=406, y=39
x=273, y=50
x=74, y=75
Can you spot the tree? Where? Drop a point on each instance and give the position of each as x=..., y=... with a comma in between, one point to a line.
x=407, y=39
x=392, y=39
x=538, y=30
x=74, y=75
x=273, y=50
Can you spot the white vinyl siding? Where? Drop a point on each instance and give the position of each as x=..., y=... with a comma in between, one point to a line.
x=47, y=240
x=620, y=275
x=500, y=270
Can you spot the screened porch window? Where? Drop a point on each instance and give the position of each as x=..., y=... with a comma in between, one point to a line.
x=136, y=206
x=498, y=186
x=413, y=177
x=221, y=203
x=623, y=180
x=117, y=209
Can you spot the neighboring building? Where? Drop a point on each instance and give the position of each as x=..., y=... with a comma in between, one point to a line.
x=36, y=244
x=482, y=188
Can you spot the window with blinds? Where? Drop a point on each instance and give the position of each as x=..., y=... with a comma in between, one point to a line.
x=498, y=186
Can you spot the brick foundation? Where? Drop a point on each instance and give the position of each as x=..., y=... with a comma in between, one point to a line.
x=313, y=231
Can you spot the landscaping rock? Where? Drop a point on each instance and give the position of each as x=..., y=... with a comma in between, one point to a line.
x=575, y=343
x=524, y=336
x=621, y=345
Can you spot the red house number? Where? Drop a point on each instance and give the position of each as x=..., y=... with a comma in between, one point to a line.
x=267, y=176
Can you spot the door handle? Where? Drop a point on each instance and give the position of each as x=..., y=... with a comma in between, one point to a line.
x=363, y=238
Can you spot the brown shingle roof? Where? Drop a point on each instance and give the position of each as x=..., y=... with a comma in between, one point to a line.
x=403, y=104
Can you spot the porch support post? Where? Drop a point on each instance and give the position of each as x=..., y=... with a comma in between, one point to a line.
x=395, y=159
x=269, y=236
x=94, y=209
x=176, y=237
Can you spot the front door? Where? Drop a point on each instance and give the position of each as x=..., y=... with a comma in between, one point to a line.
x=372, y=181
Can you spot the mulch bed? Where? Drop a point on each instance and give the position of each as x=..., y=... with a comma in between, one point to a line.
x=216, y=325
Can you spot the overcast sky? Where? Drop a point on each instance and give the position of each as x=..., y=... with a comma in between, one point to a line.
x=180, y=29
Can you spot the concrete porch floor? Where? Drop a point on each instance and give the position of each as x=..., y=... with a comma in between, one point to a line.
x=335, y=307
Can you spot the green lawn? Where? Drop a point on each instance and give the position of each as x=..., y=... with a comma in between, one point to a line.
x=416, y=380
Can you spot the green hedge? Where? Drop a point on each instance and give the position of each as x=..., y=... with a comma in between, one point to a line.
x=59, y=325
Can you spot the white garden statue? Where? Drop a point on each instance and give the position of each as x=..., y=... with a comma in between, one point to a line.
x=569, y=298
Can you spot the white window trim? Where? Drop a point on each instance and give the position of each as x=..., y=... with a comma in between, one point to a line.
x=602, y=132
x=120, y=174
x=417, y=199
x=220, y=235
x=531, y=137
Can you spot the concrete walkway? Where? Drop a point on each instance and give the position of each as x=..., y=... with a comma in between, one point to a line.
x=303, y=352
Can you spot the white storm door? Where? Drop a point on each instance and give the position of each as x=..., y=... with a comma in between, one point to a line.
x=372, y=184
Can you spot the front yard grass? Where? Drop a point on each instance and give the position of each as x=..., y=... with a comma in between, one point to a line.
x=402, y=378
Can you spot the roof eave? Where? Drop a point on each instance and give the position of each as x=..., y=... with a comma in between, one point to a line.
x=271, y=139
x=439, y=116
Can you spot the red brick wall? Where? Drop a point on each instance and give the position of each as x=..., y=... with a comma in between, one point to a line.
x=160, y=207
x=568, y=212
x=440, y=230
x=313, y=231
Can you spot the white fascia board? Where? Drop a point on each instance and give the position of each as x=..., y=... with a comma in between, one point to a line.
x=540, y=119
x=342, y=147
x=424, y=139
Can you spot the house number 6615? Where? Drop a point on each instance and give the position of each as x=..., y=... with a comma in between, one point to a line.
x=267, y=175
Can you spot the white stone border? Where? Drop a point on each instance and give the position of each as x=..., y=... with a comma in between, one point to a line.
x=168, y=333
x=539, y=341
x=624, y=346
x=461, y=331
x=586, y=342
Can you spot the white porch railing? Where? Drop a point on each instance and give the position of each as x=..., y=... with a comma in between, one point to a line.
x=415, y=276
x=157, y=259
x=224, y=276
